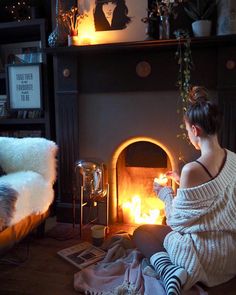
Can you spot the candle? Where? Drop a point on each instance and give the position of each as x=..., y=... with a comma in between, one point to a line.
x=162, y=179
x=85, y=41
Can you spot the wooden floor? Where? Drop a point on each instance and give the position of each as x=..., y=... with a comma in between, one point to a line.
x=43, y=272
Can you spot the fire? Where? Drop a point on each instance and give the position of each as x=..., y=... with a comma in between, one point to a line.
x=136, y=212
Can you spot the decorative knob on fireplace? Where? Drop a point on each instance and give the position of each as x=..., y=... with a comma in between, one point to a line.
x=66, y=73
x=230, y=64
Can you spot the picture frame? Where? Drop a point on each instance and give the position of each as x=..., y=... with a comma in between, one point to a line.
x=22, y=52
x=134, y=29
x=3, y=106
x=24, y=86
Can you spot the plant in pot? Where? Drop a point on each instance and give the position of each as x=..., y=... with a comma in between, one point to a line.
x=200, y=11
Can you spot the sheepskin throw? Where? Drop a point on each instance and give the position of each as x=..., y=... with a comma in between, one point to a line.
x=8, y=197
x=34, y=154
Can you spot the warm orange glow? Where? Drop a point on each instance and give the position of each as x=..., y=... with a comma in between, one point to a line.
x=135, y=211
x=126, y=190
x=86, y=39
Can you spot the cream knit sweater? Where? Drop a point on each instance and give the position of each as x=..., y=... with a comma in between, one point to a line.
x=203, y=219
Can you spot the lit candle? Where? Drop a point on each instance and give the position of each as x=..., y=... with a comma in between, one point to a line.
x=85, y=40
x=73, y=40
x=162, y=179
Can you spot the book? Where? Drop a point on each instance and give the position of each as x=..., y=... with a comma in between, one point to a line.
x=82, y=254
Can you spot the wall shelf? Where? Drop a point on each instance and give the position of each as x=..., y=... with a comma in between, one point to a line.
x=13, y=32
x=16, y=121
x=25, y=32
x=213, y=41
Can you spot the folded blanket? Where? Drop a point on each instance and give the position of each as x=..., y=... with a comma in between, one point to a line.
x=122, y=272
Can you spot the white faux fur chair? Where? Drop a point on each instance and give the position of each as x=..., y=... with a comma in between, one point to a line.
x=26, y=189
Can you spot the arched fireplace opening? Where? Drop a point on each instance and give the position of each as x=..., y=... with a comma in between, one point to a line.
x=137, y=164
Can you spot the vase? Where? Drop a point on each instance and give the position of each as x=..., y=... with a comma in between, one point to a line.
x=152, y=29
x=58, y=37
x=73, y=40
x=201, y=28
x=164, y=27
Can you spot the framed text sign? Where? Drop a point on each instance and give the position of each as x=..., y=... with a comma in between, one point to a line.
x=24, y=86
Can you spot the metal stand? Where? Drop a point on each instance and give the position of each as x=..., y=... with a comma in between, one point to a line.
x=91, y=184
x=104, y=199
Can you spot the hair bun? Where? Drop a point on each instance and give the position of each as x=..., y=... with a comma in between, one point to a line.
x=198, y=94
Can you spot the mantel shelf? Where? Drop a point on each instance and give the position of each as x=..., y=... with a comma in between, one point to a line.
x=14, y=32
x=213, y=41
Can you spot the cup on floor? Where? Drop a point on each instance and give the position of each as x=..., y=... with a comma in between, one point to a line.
x=98, y=233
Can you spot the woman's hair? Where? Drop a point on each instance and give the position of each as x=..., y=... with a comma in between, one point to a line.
x=202, y=111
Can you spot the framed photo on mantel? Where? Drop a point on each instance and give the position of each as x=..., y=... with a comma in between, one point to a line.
x=24, y=86
x=112, y=21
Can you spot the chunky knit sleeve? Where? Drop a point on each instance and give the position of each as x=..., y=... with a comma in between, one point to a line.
x=166, y=194
x=185, y=208
x=186, y=214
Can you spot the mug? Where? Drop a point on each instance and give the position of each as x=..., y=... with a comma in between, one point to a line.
x=98, y=233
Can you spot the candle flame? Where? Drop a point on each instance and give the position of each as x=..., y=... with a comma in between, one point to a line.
x=162, y=179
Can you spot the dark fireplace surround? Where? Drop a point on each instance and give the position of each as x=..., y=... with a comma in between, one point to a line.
x=103, y=105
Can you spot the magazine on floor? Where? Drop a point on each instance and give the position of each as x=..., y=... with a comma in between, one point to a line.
x=82, y=254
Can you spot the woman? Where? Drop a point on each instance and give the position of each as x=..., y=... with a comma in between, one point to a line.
x=198, y=244
x=111, y=15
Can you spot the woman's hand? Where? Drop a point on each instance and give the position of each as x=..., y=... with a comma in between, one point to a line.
x=173, y=175
x=157, y=187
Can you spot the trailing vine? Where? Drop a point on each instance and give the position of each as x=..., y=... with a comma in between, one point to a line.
x=185, y=63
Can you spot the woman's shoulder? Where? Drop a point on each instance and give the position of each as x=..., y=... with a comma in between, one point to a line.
x=192, y=175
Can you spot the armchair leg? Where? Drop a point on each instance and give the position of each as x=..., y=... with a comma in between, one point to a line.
x=41, y=230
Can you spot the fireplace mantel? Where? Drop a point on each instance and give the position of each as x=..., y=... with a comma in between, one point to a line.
x=213, y=41
x=111, y=68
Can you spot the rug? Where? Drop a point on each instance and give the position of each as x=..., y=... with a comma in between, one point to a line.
x=121, y=272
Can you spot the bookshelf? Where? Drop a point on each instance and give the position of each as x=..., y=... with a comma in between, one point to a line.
x=23, y=43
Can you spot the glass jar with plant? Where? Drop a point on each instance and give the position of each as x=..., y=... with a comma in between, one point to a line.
x=201, y=11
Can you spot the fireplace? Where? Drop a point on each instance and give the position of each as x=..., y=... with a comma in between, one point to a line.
x=103, y=105
x=135, y=135
x=136, y=167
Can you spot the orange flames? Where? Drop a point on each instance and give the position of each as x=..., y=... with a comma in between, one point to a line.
x=138, y=203
x=145, y=209
x=136, y=212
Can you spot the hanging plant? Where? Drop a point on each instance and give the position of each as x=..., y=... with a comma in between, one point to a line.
x=185, y=63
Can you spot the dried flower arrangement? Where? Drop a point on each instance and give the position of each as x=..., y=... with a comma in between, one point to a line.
x=71, y=19
x=158, y=9
x=163, y=8
x=167, y=7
